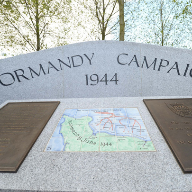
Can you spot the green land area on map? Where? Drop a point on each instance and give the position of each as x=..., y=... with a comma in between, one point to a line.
x=78, y=136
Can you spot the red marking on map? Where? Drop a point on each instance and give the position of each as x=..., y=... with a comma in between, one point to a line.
x=123, y=117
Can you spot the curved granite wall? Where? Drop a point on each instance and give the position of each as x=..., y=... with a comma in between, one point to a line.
x=97, y=69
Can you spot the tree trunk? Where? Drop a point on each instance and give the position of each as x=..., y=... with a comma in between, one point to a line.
x=162, y=26
x=37, y=25
x=103, y=21
x=121, y=20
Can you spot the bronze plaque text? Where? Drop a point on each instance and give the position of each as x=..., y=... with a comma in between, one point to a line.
x=174, y=119
x=20, y=126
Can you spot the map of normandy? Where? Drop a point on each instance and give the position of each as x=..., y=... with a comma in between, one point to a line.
x=115, y=129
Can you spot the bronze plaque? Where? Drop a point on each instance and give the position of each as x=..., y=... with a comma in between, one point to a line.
x=174, y=119
x=20, y=126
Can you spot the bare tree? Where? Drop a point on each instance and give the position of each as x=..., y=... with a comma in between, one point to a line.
x=29, y=23
x=103, y=11
x=161, y=18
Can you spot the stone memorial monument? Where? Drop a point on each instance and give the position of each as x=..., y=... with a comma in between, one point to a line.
x=102, y=136
x=97, y=69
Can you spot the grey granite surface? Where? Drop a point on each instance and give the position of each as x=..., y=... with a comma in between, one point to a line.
x=67, y=71
x=99, y=171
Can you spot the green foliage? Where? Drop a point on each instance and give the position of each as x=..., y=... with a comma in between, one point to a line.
x=31, y=24
x=163, y=22
x=103, y=11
